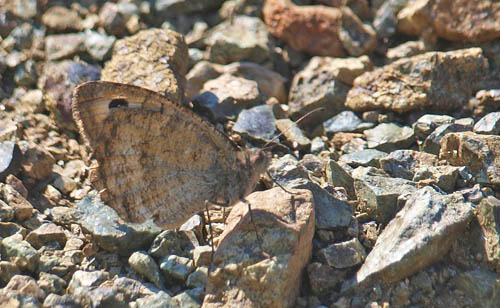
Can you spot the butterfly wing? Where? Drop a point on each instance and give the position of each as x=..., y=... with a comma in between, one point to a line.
x=156, y=159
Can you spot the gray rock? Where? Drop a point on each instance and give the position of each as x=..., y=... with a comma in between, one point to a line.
x=378, y=195
x=489, y=124
x=402, y=163
x=181, y=243
x=445, y=177
x=113, y=18
x=176, y=268
x=133, y=289
x=294, y=137
x=419, y=235
x=331, y=213
x=314, y=87
x=86, y=280
x=25, y=75
x=202, y=255
x=45, y=234
x=10, y=159
x=317, y=145
x=388, y=137
x=9, y=228
x=61, y=19
x=257, y=123
x=18, y=300
x=487, y=217
x=385, y=17
x=343, y=255
x=186, y=299
x=345, y=121
x=64, y=46
x=109, y=231
x=25, y=285
x=324, y=279
x=198, y=278
x=6, y=212
x=58, y=301
x=145, y=265
x=432, y=143
x=480, y=286
x=51, y=283
x=7, y=271
x=357, y=37
x=21, y=253
x=179, y=7
x=427, y=123
x=158, y=300
x=99, y=46
x=365, y=158
x=226, y=46
x=25, y=9
x=339, y=177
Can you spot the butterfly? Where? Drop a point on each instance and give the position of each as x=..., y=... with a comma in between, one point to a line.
x=156, y=159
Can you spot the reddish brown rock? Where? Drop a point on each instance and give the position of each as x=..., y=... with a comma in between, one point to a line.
x=263, y=271
x=439, y=81
x=313, y=29
x=454, y=20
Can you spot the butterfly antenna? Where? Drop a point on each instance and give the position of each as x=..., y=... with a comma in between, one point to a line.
x=258, y=238
x=211, y=238
x=290, y=127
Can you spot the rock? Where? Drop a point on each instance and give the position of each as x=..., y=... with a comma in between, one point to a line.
x=480, y=153
x=257, y=123
x=488, y=221
x=169, y=8
x=225, y=96
x=176, y=268
x=378, y=195
x=323, y=279
x=484, y=102
x=131, y=289
x=432, y=143
x=317, y=145
x=17, y=300
x=21, y=253
x=345, y=121
x=57, y=81
x=226, y=46
x=406, y=50
x=343, y=255
x=61, y=19
x=489, y=124
x=37, y=162
x=294, y=137
x=402, y=163
x=46, y=233
x=331, y=212
x=50, y=283
x=64, y=46
x=339, y=177
x=188, y=299
x=315, y=86
x=25, y=75
x=24, y=9
x=239, y=259
x=23, y=209
x=7, y=271
x=202, y=255
x=198, y=278
x=99, y=46
x=181, y=243
x=10, y=159
x=427, y=123
x=25, y=285
x=405, y=85
x=158, y=300
x=113, y=19
x=385, y=20
x=66, y=301
x=364, y=158
x=389, y=137
x=86, y=280
x=199, y=74
x=8, y=229
x=145, y=265
x=479, y=286
x=109, y=231
x=473, y=21
x=6, y=212
x=356, y=37
x=314, y=29
x=155, y=59
x=445, y=177
x=8, y=130
x=420, y=234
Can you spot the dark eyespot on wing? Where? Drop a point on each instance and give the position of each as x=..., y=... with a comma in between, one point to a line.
x=117, y=103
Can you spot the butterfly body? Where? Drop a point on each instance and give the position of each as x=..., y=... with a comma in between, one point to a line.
x=157, y=159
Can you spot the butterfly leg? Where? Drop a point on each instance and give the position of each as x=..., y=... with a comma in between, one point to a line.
x=259, y=240
x=211, y=237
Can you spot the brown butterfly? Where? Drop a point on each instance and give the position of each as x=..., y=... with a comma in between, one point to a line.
x=157, y=159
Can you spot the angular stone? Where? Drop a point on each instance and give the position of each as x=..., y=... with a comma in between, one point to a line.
x=198, y=278
x=378, y=195
x=64, y=46
x=425, y=81
x=37, y=162
x=99, y=46
x=21, y=253
x=176, y=268
x=225, y=96
x=169, y=8
x=239, y=258
x=25, y=285
x=313, y=29
x=444, y=177
x=158, y=300
x=7, y=271
x=388, y=137
x=155, y=59
x=357, y=37
x=51, y=283
x=480, y=153
x=489, y=124
x=294, y=137
x=257, y=123
x=66, y=301
x=61, y=19
x=488, y=218
x=419, y=235
x=339, y=177
x=23, y=209
x=46, y=233
x=226, y=46
x=109, y=231
x=364, y=158
x=316, y=86
x=427, y=123
x=480, y=286
x=169, y=242
x=202, y=255
x=402, y=163
x=345, y=121
x=323, y=279
x=86, y=280
x=343, y=255
x=432, y=143
x=145, y=265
